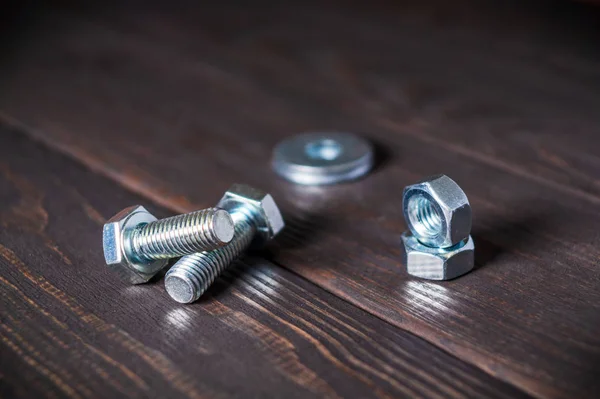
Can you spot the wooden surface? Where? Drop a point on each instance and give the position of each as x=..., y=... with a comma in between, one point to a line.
x=177, y=103
x=70, y=329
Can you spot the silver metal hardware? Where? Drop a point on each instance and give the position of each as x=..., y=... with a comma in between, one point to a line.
x=257, y=220
x=323, y=158
x=137, y=245
x=438, y=215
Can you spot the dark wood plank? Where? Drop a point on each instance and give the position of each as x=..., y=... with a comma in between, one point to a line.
x=177, y=105
x=69, y=328
x=512, y=85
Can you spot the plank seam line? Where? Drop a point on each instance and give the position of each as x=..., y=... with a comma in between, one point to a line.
x=493, y=162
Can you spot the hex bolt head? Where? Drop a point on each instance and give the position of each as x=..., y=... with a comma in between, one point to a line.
x=115, y=254
x=257, y=220
x=258, y=206
x=437, y=212
x=137, y=245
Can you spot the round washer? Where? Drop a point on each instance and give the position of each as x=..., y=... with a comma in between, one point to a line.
x=323, y=158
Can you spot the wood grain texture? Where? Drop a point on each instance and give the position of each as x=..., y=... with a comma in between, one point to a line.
x=177, y=103
x=70, y=328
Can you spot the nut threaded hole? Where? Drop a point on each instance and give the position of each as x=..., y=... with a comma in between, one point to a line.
x=424, y=217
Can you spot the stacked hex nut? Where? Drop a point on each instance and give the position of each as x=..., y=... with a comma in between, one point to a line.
x=438, y=214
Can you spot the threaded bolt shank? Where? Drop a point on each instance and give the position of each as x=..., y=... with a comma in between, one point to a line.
x=191, y=276
x=180, y=235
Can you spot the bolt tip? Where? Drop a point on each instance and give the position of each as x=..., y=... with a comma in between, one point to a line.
x=223, y=226
x=180, y=289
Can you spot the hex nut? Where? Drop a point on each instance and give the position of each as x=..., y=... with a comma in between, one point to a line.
x=437, y=212
x=438, y=263
x=257, y=205
x=118, y=255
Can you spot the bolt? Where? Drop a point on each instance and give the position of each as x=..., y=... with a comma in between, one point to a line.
x=257, y=220
x=137, y=245
x=182, y=234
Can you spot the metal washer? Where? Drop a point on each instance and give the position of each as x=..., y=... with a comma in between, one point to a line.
x=323, y=158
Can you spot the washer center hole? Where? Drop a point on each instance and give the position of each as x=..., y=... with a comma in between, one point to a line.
x=324, y=149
